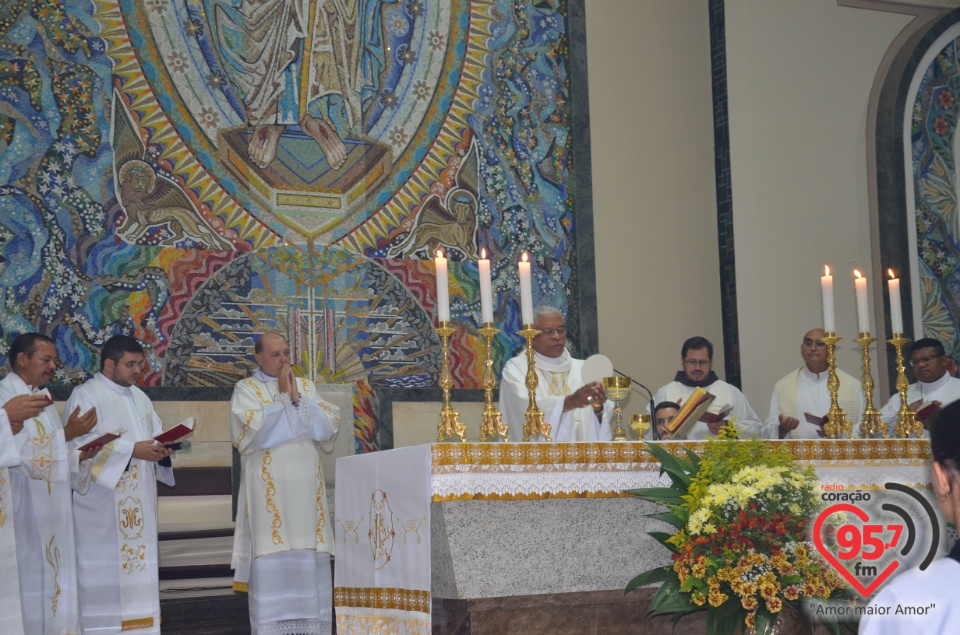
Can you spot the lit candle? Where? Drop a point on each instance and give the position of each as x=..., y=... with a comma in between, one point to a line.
x=826, y=289
x=486, y=294
x=896, y=312
x=863, y=319
x=526, y=291
x=443, y=289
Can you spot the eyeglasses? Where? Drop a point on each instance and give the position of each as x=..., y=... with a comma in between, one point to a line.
x=697, y=363
x=562, y=331
x=920, y=361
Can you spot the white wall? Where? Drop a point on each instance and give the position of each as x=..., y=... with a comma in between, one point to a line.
x=651, y=127
x=799, y=82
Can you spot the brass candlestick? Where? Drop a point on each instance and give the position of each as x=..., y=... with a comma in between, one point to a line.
x=617, y=389
x=533, y=424
x=450, y=425
x=493, y=425
x=837, y=423
x=907, y=423
x=871, y=424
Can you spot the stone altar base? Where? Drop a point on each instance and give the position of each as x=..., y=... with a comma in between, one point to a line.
x=588, y=613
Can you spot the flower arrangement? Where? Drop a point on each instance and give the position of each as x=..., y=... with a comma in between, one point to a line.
x=740, y=549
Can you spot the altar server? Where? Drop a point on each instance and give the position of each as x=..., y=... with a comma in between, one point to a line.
x=696, y=357
x=283, y=540
x=41, y=484
x=117, y=553
x=801, y=399
x=576, y=411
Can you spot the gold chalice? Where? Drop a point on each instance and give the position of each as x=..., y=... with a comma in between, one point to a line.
x=617, y=389
x=641, y=423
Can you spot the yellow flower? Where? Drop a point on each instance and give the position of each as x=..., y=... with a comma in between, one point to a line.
x=751, y=620
x=774, y=605
x=749, y=603
x=698, y=598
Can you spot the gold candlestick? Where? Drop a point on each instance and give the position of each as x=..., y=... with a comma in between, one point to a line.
x=533, y=424
x=837, y=423
x=907, y=423
x=493, y=425
x=450, y=425
x=871, y=424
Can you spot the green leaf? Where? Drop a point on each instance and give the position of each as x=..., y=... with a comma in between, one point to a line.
x=765, y=622
x=660, y=574
x=679, y=471
x=671, y=518
x=723, y=620
x=661, y=537
x=661, y=495
x=669, y=599
x=694, y=458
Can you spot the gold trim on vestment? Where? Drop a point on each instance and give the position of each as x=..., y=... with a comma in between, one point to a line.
x=382, y=598
x=136, y=625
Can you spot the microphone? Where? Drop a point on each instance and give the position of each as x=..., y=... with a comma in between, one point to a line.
x=653, y=424
x=180, y=446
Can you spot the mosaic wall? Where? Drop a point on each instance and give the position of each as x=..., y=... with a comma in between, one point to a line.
x=197, y=172
x=934, y=161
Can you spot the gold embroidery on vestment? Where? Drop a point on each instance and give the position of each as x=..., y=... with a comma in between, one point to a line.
x=271, y=507
x=53, y=557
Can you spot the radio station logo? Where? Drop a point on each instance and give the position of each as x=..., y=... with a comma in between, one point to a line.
x=866, y=543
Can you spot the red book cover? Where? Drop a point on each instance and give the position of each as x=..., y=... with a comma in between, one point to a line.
x=177, y=432
x=101, y=441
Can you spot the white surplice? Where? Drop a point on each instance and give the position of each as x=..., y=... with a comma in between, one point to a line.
x=283, y=537
x=43, y=519
x=946, y=390
x=744, y=418
x=803, y=391
x=556, y=378
x=11, y=619
x=116, y=519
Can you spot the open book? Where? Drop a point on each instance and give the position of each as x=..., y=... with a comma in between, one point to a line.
x=177, y=432
x=102, y=440
x=927, y=410
x=692, y=410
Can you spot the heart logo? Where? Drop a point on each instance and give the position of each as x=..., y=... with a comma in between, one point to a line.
x=818, y=541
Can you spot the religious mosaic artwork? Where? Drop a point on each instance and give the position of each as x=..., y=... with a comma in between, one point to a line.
x=936, y=190
x=197, y=172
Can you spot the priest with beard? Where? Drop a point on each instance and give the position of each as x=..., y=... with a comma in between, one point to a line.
x=116, y=518
x=696, y=356
x=576, y=411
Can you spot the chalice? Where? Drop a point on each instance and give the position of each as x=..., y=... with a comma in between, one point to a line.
x=617, y=389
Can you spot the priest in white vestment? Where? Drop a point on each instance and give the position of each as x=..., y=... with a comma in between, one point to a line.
x=12, y=415
x=696, y=356
x=801, y=400
x=934, y=382
x=41, y=484
x=116, y=519
x=283, y=540
x=575, y=411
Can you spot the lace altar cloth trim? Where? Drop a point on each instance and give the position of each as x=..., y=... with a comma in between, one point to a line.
x=515, y=471
x=382, y=598
x=362, y=621
x=307, y=626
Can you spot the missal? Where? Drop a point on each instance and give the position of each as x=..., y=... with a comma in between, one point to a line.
x=927, y=410
x=815, y=420
x=691, y=411
x=177, y=432
x=102, y=440
x=46, y=395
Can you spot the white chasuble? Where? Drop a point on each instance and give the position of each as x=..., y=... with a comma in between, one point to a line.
x=43, y=519
x=11, y=619
x=556, y=378
x=282, y=507
x=116, y=518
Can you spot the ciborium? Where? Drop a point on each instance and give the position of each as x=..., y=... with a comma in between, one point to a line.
x=617, y=389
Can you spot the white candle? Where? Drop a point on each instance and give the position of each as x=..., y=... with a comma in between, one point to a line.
x=526, y=292
x=826, y=289
x=486, y=293
x=896, y=312
x=443, y=289
x=863, y=317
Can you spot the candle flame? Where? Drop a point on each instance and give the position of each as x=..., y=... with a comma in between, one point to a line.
x=856, y=272
x=483, y=253
x=439, y=253
x=826, y=269
x=524, y=256
x=893, y=276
